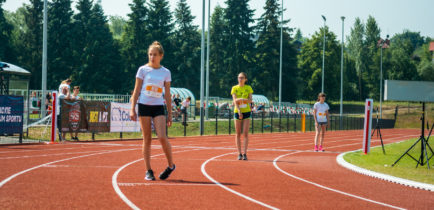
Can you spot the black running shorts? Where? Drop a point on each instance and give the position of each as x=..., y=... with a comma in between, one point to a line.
x=150, y=110
x=246, y=115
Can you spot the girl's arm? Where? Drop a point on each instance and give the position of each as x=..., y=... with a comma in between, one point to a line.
x=314, y=115
x=234, y=97
x=134, y=98
x=168, y=102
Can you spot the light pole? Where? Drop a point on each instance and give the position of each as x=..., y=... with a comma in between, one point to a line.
x=202, y=62
x=382, y=44
x=342, y=72
x=44, y=60
x=207, y=65
x=323, y=53
x=280, y=64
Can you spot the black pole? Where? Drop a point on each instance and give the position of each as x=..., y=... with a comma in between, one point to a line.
x=229, y=117
x=271, y=121
x=262, y=125
x=253, y=123
x=216, y=120
x=287, y=122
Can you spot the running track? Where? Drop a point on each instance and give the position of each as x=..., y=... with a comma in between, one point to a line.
x=282, y=173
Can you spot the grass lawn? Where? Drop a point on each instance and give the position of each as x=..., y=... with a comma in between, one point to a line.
x=405, y=168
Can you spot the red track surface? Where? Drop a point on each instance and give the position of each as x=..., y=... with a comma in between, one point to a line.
x=282, y=172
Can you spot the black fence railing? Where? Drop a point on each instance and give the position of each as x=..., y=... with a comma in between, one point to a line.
x=221, y=122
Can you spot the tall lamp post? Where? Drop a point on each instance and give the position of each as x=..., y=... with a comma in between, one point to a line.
x=342, y=72
x=323, y=54
x=382, y=44
x=202, y=63
x=44, y=59
x=280, y=64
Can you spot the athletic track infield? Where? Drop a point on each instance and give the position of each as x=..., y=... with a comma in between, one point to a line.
x=282, y=172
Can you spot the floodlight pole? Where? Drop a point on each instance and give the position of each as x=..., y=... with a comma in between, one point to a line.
x=44, y=60
x=342, y=72
x=323, y=54
x=381, y=75
x=202, y=62
x=207, y=64
x=280, y=64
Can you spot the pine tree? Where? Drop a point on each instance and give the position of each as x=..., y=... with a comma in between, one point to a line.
x=60, y=60
x=98, y=54
x=31, y=58
x=238, y=35
x=217, y=54
x=6, y=48
x=187, y=53
x=372, y=58
x=161, y=29
x=268, y=54
x=135, y=41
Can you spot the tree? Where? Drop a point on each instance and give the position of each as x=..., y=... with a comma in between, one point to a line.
x=117, y=24
x=357, y=51
x=238, y=34
x=60, y=60
x=6, y=48
x=372, y=59
x=268, y=53
x=135, y=40
x=161, y=29
x=187, y=55
x=402, y=65
x=31, y=54
x=96, y=50
x=310, y=65
x=218, y=53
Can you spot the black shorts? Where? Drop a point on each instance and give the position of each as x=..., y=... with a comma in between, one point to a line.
x=184, y=110
x=246, y=115
x=150, y=110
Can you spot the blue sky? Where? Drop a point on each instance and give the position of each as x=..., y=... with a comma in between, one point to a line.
x=393, y=16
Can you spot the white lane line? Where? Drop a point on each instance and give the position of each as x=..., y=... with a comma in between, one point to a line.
x=164, y=184
x=227, y=188
x=328, y=188
x=3, y=182
x=116, y=185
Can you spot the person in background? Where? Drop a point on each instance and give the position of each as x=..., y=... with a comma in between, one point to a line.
x=75, y=96
x=65, y=83
x=64, y=94
x=321, y=115
x=184, y=105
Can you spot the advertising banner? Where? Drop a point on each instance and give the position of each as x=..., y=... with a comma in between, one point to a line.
x=120, y=119
x=11, y=114
x=73, y=116
x=97, y=115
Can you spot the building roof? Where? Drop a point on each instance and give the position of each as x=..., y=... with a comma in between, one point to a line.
x=15, y=70
x=431, y=46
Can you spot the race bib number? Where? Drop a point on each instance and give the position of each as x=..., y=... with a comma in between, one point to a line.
x=153, y=90
x=243, y=105
x=322, y=115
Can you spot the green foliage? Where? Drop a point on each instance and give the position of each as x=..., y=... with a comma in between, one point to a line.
x=96, y=51
x=135, y=42
x=218, y=54
x=268, y=53
x=117, y=24
x=60, y=60
x=310, y=64
x=6, y=47
x=187, y=54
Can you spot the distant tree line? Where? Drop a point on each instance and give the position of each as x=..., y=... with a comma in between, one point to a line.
x=102, y=54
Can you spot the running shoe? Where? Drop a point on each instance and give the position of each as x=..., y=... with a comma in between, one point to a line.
x=245, y=157
x=315, y=148
x=320, y=148
x=166, y=173
x=240, y=157
x=150, y=175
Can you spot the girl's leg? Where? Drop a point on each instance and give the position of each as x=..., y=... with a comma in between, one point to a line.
x=317, y=132
x=238, y=124
x=246, y=125
x=160, y=127
x=323, y=128
x=145, y=124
